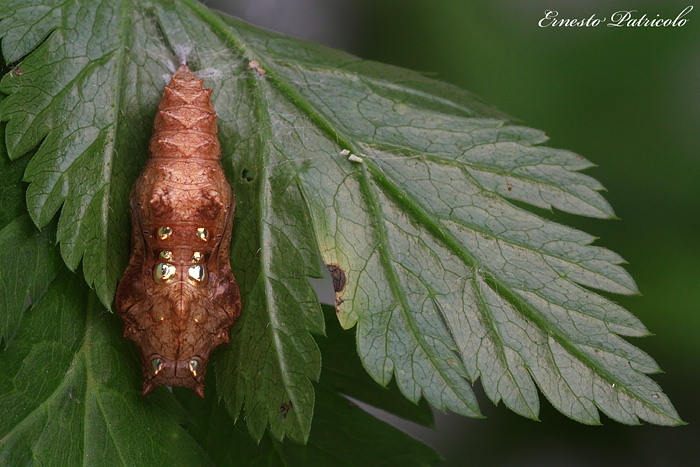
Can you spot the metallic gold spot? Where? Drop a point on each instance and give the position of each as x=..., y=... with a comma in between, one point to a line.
x=197, y=256
x=160, y=315
x=197, y=274
x=164, y=273
x=167, y=255
x=165, y=232
x=157, y=365
x=194, y=364
x=203, y=234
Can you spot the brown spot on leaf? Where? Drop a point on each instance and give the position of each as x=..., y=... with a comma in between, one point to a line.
x=338, y=276
x=339, y=281
x=285, y=407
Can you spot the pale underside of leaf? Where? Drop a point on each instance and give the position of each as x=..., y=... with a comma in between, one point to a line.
x=446, y=279
x=431, y=248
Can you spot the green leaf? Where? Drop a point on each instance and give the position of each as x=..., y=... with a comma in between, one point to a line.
x=446, y=277
x=67, y=391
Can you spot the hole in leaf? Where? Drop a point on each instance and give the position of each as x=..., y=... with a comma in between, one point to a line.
x=248, y=174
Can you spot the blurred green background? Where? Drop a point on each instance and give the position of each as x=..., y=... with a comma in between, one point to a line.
x=626, y=98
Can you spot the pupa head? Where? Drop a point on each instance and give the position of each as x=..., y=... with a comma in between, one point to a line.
x=161, y=371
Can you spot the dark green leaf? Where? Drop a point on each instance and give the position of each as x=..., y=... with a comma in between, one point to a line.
x=67, y=391
x=343, y=434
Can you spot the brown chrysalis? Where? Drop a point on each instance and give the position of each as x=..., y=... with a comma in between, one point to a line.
x=178, y=296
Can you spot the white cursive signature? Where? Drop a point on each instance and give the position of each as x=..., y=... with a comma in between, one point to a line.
x=619, y=19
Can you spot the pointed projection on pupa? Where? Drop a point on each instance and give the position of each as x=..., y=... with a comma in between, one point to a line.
x=178, y=296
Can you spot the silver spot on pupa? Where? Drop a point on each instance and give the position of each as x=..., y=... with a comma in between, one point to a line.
x=193, y=364
x=203, y=234
x=197, y=274
x=157, y=365
x=164, y=273
x=165, y=232
x=167, y=255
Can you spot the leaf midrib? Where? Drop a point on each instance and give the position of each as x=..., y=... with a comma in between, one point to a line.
x=90, y=385
x=499, y=347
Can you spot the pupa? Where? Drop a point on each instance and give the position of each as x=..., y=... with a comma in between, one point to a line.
x=178, y=297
